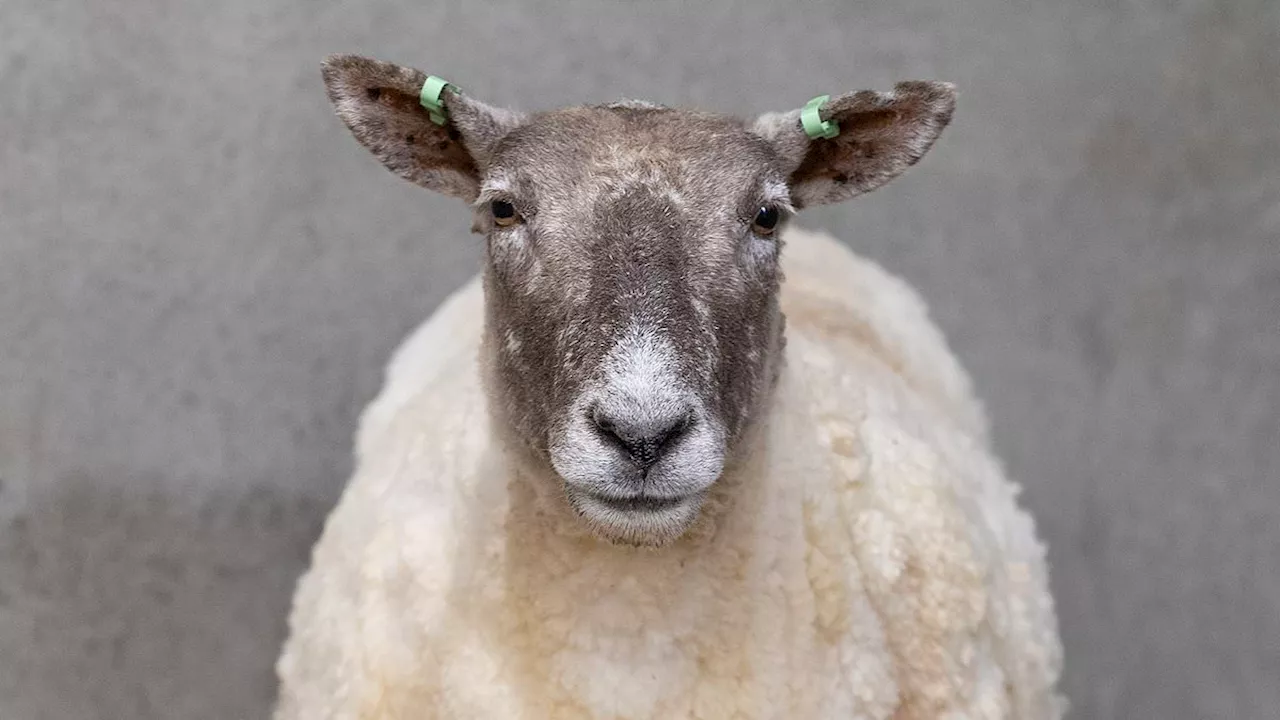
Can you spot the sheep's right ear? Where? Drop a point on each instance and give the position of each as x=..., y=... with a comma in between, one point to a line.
x=379, y=102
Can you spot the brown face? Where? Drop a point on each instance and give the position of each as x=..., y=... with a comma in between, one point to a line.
x=632, y=330
x=632, y=286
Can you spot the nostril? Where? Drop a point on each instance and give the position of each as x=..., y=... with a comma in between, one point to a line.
x=605, y=424
x=673, y=430
x=643, y=439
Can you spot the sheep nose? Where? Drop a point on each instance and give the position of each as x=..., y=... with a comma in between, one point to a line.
x=645, y=439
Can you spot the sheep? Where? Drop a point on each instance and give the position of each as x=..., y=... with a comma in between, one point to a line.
x=598, y=484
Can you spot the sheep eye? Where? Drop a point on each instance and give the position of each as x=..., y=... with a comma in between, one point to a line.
x=766, y=221
x=504, y=213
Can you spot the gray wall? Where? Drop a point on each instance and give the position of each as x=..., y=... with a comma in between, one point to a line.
x=201, y=275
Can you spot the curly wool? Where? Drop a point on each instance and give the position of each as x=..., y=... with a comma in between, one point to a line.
x=867, y=559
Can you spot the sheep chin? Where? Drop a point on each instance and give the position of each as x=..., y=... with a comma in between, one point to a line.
x=637, y=528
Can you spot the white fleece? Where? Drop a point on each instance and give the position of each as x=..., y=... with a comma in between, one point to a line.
x=867, y=560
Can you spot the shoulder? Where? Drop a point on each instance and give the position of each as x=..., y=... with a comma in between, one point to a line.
x=854, y=308
x=421, y=453
x=445, y=342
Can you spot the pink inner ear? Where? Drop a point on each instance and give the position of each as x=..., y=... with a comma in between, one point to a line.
x=398, y=130
x=880, y=137
x=379, y=103
x=869, y=121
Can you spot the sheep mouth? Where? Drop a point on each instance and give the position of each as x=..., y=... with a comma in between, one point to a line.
x=637, y=520
x=639, y=503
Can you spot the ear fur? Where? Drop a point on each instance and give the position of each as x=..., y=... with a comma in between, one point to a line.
x=379, y=104
x=881, y=135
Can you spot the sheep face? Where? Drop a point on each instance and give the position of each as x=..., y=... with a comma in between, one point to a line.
x=632, y=268
x=632, y=286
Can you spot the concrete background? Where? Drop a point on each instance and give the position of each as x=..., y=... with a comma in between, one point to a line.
x=201, y=275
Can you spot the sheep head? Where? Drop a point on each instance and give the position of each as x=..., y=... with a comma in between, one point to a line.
x=633, y=331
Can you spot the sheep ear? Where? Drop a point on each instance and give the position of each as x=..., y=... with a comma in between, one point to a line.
x=880, y=136
x=379, y=103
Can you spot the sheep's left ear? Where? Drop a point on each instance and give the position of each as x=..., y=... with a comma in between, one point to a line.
x=880, y=135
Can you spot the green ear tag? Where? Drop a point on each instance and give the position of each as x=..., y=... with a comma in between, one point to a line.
x=814, y=125
x=432, y=89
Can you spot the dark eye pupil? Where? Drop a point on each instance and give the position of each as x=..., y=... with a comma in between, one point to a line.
x=767, y=218
x=502, y=209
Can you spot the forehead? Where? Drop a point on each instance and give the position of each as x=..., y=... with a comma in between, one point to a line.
x=604, y=146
